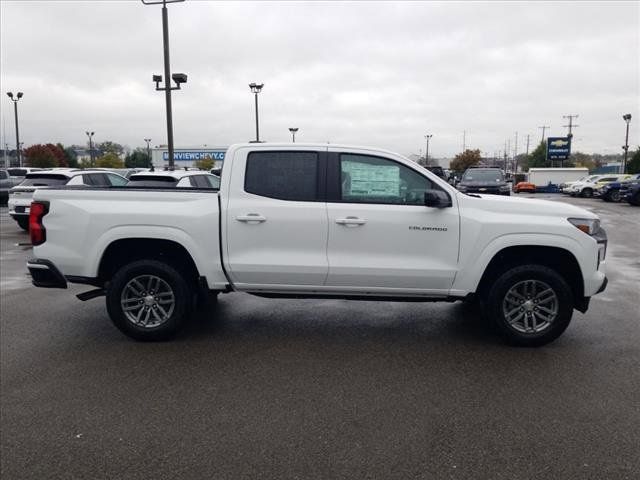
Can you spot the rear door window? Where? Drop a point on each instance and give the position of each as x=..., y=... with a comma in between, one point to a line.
x=283, y=175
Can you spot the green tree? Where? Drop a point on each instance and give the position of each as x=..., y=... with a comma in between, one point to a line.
x=109, y=160
x=70, y=156
x=466, y=159
x=634, y=162
x=110, y=147
x=537, y=159
x=204, y=164
x=137, y=159
x=580, y=159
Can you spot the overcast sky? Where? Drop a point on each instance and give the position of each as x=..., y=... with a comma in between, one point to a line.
x=368, y=73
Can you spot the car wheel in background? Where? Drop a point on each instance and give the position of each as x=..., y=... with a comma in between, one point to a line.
x=587, y=193
x=148, y=300
x=531, y=305
x=614, y=196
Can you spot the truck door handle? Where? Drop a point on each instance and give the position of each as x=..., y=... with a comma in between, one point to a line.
x=251, y=218
x=351, y=221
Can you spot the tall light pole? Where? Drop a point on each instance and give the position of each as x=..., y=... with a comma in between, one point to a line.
x=626, y=118
x=255, y=89
x=148, y=140
x=426, y=157
x=293, y=131
x=15, y=111
x=90, y=135
x=178, y=78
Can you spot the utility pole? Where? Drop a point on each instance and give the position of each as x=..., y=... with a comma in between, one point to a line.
x=505, y=157
x=543, y=128
x=148, y=140
x=626, y=118
x=571, y=126
x=527, y=144
x=426, y=157
x=464, y=141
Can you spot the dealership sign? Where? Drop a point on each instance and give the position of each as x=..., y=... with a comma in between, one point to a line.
x=558, y=148
x=185, y=156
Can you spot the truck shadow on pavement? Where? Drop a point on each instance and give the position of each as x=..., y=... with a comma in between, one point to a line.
x=237, y=315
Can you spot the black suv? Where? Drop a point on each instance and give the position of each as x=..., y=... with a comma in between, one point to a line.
x=484, y=180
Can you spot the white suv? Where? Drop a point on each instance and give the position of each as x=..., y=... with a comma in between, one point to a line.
x=21, y=195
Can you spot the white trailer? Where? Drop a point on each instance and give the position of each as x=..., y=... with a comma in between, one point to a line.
x=542, y=177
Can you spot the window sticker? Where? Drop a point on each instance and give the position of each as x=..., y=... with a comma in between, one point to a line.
x=370, y=180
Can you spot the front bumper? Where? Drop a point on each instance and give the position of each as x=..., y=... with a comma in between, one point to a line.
x=45, y=274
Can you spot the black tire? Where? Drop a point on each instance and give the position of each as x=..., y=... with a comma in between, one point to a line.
x=178, y=311
x=607, y=197
x=587, y=193
x=614, y=196
x=23, y=223
x=513, y=278
x=635, y=200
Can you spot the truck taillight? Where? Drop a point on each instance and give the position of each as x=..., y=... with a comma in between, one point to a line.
x=36, y=230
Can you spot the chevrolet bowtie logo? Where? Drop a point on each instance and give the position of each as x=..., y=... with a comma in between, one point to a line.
x=559, y=143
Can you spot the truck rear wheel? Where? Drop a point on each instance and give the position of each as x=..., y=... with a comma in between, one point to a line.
x=531, y=305
x=148, y=300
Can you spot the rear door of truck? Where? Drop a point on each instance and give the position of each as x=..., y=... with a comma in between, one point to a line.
x=276, y=218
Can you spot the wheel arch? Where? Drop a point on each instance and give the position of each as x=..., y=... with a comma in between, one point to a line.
x=123, y=251
x=559, y=259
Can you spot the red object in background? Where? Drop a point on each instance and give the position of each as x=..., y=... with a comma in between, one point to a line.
x=525, y=187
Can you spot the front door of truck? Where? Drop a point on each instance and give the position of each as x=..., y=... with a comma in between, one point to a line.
x=382, y=237
x=276, y=220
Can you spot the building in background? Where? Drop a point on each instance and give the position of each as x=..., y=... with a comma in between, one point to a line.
x=188, y=156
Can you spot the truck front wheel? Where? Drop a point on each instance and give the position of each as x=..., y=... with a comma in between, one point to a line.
x=531, y=305
x=148, y=300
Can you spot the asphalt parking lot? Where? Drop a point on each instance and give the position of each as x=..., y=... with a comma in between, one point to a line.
x=319, y=389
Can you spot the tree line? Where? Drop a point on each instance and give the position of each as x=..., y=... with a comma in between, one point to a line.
x=537, y=159
x=107, y=154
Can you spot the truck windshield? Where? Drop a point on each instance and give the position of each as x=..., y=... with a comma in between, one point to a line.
x=42, y=180
x=483, y=176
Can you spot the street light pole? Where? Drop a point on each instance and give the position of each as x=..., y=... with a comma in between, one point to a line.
x=90, y=135
x=255, y=89
x=293, y=131
x=15, y=111
x=179, y=78
x=426, y=157
x=626, y=118
x=148, y=140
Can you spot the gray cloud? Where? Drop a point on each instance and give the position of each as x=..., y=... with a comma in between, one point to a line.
x=375, y=73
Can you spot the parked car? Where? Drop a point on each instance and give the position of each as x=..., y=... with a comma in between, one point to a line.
x=20, y=196
x=5, y=186
x=566, y=186
x=125, y=172
x=524, y=187
x=439, y=171
x=588, y=187
x=484, y=180
x=175, y=178
x=630, y=192
x=319, y=221
x=610, y=192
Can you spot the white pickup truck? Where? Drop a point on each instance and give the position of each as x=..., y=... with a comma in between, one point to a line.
x=323, y=221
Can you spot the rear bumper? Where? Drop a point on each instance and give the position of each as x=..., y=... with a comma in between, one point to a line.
x=45, y=274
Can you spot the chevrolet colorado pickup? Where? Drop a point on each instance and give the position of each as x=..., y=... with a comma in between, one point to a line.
x=322, y=221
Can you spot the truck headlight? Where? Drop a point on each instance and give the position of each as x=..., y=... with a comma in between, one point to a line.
x=588, y=225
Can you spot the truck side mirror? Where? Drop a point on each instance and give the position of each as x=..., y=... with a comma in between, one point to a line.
x=436, y=199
